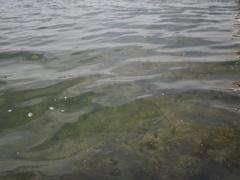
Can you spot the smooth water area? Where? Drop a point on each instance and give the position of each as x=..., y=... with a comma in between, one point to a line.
x=119, y=90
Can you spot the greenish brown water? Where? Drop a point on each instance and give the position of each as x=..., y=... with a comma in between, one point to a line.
x=125, y=90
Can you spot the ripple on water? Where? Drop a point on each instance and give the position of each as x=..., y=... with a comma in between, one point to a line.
x=119, y=90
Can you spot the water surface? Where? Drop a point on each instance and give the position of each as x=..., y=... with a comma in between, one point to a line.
x=119, y=89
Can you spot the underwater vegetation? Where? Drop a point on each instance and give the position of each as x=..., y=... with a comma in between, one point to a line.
x=162, y=128
x=179, y=124
x=171, y=136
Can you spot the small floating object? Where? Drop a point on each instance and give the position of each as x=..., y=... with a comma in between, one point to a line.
x=17, y=153
x=51, y=108
x=10, y=110
x=30, y=114
x=55, y=99
x=163, y=94
x=62, y=110
x=65, y=97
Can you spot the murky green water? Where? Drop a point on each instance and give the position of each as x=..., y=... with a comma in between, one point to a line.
x=119, y=89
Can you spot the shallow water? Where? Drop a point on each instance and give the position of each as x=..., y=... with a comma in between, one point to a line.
x=119, y=89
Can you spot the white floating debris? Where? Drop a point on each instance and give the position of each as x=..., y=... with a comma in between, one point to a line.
x=51, y=108
x=62, y=110
x=30, y=114
x=163, y=94
x=10, y=110
x=17, y=153
x=65, y=97
x=55, y=99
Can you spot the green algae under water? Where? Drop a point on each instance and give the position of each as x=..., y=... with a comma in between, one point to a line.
x=178, y=135
x=180, y=125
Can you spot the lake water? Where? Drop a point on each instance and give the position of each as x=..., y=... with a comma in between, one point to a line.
x=119, y=90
